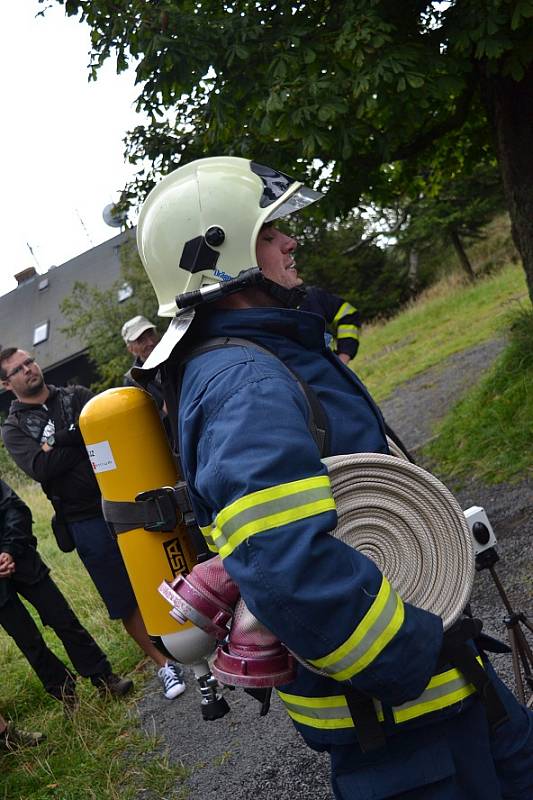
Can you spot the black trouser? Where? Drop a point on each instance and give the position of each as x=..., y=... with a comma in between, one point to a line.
x=54, y=611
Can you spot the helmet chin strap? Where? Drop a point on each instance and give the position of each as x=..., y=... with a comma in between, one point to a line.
x=287, y=298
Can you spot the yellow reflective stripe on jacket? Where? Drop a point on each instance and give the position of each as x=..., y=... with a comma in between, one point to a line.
x=327, y=713
x=379, y=625
x=347, y=332
x=344, y=310
x=442, y=691
x=271, y=508
x=332, y=713
x=208, y=536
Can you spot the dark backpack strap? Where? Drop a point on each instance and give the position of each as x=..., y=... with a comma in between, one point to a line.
x=457, y=651
x=368, y=730
x=171, y=377
x=317, y=420
x=397, y=441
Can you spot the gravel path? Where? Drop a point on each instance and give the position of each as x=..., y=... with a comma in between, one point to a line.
x=244, y=756
x=413, y=409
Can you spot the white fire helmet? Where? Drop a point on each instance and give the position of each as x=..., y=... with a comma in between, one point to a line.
x=200, y=224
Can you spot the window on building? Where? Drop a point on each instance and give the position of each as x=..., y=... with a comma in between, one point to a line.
x=124, y=292
x=40, y=332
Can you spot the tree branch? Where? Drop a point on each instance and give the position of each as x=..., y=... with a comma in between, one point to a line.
x=371, y=237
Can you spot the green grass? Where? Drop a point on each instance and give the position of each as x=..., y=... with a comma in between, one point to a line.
x=449, y=317
x=102, y=753
x=489, y=434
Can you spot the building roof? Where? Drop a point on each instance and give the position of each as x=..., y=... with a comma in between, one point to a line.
x=36, y=302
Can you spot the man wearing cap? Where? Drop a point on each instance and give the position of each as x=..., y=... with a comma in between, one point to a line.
x=140, y=337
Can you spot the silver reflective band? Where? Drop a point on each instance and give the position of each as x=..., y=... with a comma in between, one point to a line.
x=380, y=624
x=271, y=508
x=442, y=691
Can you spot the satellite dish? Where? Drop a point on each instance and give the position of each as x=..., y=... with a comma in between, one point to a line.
x=112, y=217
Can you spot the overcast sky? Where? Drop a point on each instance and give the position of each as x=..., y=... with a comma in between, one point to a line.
x=60, y=137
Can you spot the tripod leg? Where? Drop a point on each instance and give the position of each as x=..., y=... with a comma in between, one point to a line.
x=526, y=656
x=524, y=620
x=516, y=666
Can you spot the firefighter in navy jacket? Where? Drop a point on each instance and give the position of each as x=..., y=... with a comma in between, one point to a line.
x=263, y=499
x=344, y=319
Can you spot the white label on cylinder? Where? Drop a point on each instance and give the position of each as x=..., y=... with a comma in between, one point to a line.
x=101, y=457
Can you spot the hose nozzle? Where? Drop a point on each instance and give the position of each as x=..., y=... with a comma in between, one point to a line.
x=206, y=597
x=253, y=657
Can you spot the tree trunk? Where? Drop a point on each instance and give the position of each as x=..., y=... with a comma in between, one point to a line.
x=461, y=254
x=509, y=105
x=412, y=272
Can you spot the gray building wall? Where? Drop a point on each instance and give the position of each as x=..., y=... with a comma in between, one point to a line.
x=31, y=304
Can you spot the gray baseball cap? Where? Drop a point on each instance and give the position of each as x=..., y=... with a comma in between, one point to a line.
x=132, y=329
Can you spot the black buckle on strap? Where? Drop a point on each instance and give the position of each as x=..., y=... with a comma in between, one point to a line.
x=180, y=494
x=160, y=511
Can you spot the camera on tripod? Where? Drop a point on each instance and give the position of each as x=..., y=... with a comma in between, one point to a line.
x=486, y=557
x=481, y=530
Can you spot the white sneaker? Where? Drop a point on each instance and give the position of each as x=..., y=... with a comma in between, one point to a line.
x=171, y=677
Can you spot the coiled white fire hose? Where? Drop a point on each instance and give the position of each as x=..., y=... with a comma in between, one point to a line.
x=395, y=513
x=409, y=524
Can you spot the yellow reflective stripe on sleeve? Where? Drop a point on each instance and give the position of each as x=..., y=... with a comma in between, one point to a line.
x=380, y=624
x=344, y=310
x=442, y=691
x=208, y=536
x=347, y=332
x=271, y=508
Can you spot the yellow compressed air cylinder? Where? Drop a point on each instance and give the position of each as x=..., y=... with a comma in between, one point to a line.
x=130, y=454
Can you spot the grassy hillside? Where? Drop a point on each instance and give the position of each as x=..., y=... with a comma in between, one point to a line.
x=489, y=434
x=450, y=316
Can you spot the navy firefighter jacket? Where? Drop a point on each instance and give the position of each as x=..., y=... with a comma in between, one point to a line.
x=263, y=500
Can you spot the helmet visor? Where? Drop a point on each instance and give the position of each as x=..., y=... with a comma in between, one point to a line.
x=300, y=199
x=276, y=186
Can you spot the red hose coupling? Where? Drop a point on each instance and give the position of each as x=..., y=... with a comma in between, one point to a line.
x=206, y=597
x=252, y=657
